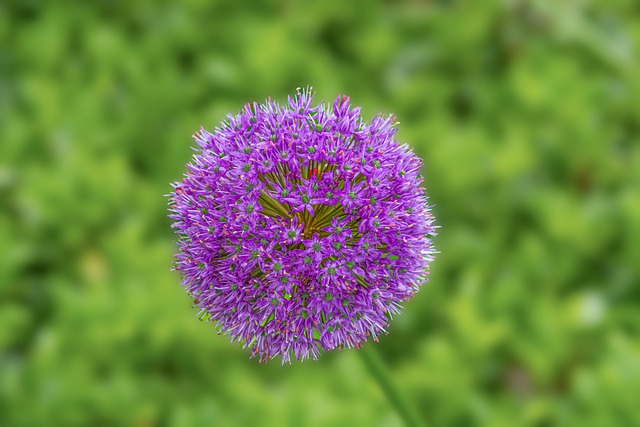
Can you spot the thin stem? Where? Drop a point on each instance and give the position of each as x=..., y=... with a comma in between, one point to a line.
x=379, y=371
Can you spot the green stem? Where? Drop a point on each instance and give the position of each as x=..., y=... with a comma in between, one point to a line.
x=379, y=371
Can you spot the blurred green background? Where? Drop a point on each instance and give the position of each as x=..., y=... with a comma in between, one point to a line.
x=527, y=116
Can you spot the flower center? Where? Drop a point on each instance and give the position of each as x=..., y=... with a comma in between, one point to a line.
x=311, y=224
x=322, y=215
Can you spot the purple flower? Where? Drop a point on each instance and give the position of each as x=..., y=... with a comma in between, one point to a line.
x=301, y=227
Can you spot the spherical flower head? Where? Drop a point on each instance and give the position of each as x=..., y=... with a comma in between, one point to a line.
x=301, y=227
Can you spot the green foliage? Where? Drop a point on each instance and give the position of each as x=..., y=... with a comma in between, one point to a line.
x=526, y=114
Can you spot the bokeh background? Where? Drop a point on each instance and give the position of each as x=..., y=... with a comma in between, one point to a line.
x=527, y=116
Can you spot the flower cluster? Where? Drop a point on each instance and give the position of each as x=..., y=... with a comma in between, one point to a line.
x=301, y=227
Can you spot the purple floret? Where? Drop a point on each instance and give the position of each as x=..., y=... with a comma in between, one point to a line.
x=301, y=227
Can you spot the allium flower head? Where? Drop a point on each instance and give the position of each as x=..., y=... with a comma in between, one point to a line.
x=301, y=227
